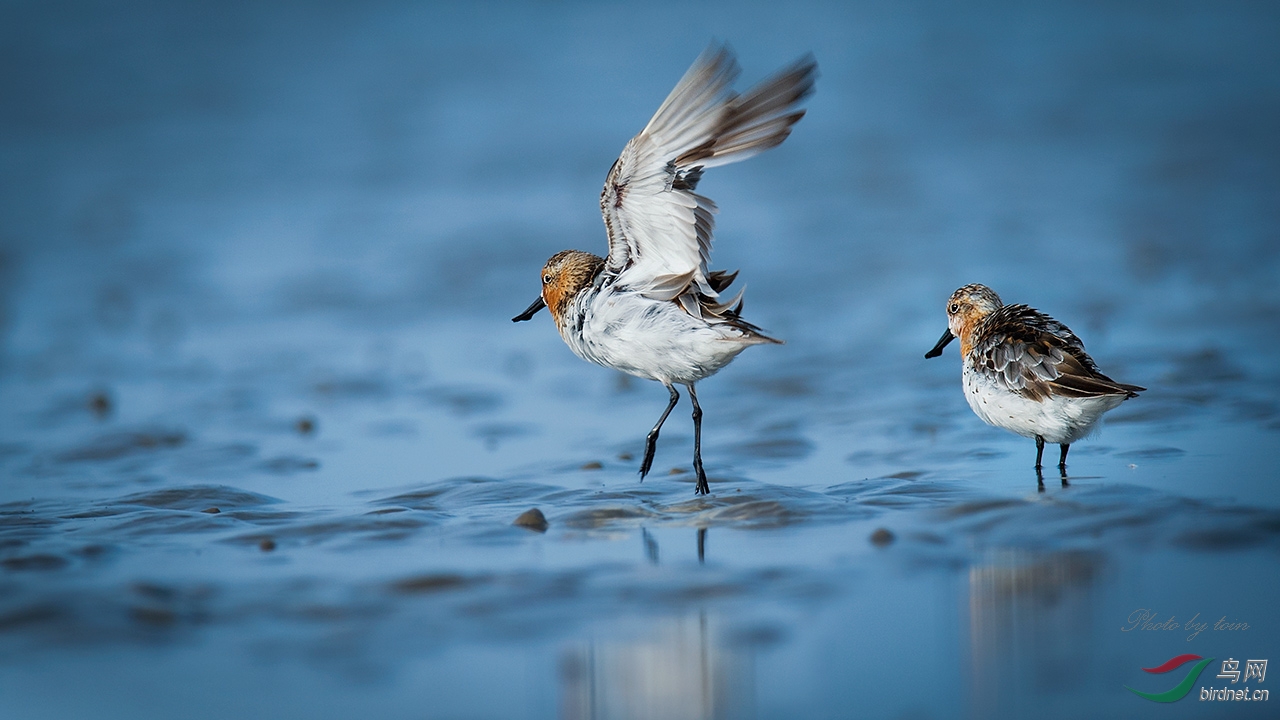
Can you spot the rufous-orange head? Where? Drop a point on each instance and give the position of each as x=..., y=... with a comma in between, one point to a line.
x=565, y=275
x=966, y=308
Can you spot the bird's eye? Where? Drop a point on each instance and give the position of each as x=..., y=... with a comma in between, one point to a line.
x=955, y=308
x=546, y=279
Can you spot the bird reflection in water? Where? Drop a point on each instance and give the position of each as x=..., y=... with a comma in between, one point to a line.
x=678, y=667
x=650, y=546
x=1029, y=615
x=1062, y=474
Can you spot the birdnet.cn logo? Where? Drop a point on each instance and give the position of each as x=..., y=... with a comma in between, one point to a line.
x=1237, y=690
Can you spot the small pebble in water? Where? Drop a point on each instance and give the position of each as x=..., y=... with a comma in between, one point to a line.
x=267, y=545
x=625, y=456
x=881, y=538
x=211, y=511
x=677, y=471
x=305, y=425
x=100, y=404
x=532, y=519
x=593, y=465
x=156, y=617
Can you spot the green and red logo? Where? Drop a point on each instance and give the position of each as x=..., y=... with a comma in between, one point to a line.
x=1180, y=690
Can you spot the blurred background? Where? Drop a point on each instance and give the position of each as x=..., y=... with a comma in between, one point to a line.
x=265, y=422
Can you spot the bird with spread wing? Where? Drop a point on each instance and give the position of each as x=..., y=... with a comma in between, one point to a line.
x=652, y=308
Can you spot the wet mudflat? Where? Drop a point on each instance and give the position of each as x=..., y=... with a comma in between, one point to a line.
x=266, y=426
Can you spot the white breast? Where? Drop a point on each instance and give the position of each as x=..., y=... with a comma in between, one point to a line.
x=651, y=339
x=1056, y=419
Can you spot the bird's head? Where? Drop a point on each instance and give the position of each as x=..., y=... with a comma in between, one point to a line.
x=965, y=309
x=566, y=274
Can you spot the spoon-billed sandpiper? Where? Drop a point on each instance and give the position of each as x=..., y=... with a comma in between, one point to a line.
x=652, y=308
x=1026, y=372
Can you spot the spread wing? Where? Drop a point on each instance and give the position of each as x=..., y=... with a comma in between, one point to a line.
x=1037, y=356
x=659, y=228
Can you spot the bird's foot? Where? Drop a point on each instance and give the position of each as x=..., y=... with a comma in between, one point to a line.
x=702, y=488
x=650, y=446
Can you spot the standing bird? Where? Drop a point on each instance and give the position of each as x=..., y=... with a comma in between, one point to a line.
x=1026, y=372
x=652, y=308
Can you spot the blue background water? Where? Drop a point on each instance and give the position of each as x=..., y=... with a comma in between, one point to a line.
x=263, y=259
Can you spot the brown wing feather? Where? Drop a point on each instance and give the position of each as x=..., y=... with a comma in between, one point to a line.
x=1036, y=356
x=719, y=280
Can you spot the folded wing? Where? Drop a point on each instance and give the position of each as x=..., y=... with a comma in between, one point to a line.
x=1037, y=356
x=659, y=228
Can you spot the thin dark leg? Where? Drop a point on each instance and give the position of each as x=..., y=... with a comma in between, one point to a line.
x=651, y=441
x=1039, y=450
x=702, y=487
x=702, y=545
x=1062, y=472
x=1062, y=459
x=1039, y=479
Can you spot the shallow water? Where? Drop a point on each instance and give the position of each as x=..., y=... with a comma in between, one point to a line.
x=265, y=424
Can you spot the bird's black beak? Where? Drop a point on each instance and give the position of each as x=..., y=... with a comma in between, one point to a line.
x=531, y=311
x=942, y=342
